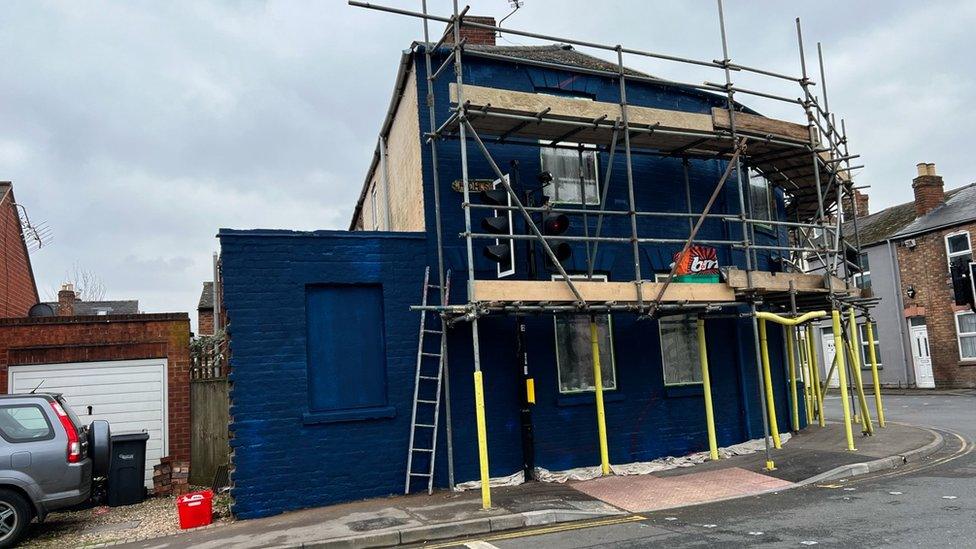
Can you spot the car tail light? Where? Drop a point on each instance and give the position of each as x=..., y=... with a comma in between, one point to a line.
x=74, y=443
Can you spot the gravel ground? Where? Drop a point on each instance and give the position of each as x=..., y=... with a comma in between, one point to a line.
x=153, y=518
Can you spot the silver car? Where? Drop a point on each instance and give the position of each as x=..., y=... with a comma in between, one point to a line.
x=47, y=459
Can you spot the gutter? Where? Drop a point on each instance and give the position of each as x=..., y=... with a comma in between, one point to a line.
x=399, y=86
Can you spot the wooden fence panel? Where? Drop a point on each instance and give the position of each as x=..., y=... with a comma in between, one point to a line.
x=209, y=417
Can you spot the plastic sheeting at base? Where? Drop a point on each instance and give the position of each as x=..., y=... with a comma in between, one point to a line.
x=636, y=468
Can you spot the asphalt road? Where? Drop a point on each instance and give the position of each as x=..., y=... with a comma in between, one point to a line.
x=929, y=504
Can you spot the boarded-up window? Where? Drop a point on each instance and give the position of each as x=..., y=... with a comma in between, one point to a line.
x=346, y=347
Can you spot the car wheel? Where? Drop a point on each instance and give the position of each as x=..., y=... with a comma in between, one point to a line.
x=14, y=516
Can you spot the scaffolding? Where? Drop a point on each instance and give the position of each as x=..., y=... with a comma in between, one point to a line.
x=810, y=162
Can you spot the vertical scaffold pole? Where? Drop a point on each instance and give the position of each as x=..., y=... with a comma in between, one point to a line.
x=801, y=347
x=856, y=368
x=730, y=105
x=601, y=420
x=791, y=358
x=479, y=391
x=768, y=384
x=631, y=204
x=874, y=372
x=842, y=375
x=707, y=388
x=815, y=371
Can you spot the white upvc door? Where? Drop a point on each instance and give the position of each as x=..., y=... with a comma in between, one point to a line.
x=921, y=357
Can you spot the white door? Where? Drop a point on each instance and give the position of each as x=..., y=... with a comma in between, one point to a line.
x=129, y=394
x=920, y=355
x=827, y=342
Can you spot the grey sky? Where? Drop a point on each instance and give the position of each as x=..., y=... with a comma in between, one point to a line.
x=136, y=129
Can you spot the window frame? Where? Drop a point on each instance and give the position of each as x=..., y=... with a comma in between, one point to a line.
x=960, y=335
x=555, y=342
x=587, y=149
x=864, y=273
x=51, y=434
x=511, y=231
x=950, y=254
x=373, y=210
x=660, y=277
x=752, y=174
x=862, y=335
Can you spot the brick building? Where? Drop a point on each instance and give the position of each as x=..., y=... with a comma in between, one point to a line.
x=205, y=310
x=18, y=290
x=922, y=338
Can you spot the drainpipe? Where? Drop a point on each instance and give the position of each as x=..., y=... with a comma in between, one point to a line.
x=386, y=183
x=216, y=292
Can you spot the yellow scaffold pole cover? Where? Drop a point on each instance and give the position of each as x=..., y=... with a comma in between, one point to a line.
x=598, y=385
x=842, y=375
x=707, y=388
x=479, y=414
x=791, y=360
x=788, y=321
x=856, y=368
x=801, y=347
x=874, y=373
x=768, y=383
x=815, y=370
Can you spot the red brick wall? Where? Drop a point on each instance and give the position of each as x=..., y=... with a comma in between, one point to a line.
x=205, y=322
x=18, y=292
x=116, y=337
x=926, y=268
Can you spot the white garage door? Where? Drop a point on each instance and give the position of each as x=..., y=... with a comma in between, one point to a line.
x=129, y=394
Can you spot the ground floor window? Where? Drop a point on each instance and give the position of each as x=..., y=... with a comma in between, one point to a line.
x=966, y=332
x=679, y=347
x=865, y=345
x=574, y=350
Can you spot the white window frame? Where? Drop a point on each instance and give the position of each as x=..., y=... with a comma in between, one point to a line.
x=587, y=149
x=511, y=231
x=372, y=204
x=555, y=341
x=960, y=335
x=863, y=345
x=951, y=255
x=770, y=199
x=859, y=277
x=661, y=277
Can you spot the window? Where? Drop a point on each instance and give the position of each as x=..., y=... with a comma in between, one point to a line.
x=569, y=171
x=863, y=279
x=372, y=202
x=506, y=268
x=966, y=332
x=761, y=198
x=958, y=248
x=679, y=347
x=24, y=423
x=574, y=351
x=865, y=349
x=345, y=345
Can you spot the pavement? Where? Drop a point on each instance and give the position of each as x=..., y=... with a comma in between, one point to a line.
x=816, y=454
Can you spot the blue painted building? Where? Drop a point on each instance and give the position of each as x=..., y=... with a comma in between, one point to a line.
x=324, y=345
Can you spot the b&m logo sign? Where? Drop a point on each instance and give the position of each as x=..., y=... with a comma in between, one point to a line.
x=698, y=264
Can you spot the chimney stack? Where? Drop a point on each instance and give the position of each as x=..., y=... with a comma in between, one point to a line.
x=472, y=35
x=929, y=189
x=860, y=201
x=66, y=299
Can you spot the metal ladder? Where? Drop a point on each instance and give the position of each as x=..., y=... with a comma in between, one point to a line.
x=430, y=374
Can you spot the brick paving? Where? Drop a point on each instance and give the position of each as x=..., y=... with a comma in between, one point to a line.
x=649, y=492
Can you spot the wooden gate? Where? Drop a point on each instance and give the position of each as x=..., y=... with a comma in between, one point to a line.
x=209, y=410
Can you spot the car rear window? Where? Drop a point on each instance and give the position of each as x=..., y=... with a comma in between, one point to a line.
x=24, y=423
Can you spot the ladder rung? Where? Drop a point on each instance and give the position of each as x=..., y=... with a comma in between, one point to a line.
x=432, y=378
x=431, y=354
x=435, y=286
x=422, y=449
x=424, y=425
x=433, y=332
x=420, y=474
x=427, y=401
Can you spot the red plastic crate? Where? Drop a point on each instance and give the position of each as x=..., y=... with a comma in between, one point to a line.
x=195, y=509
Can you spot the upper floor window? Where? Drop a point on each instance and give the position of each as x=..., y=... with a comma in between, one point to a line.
x=863, y=278
x=571, y=171
x=574, y=350
x=761, y=198
x=958, y=248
